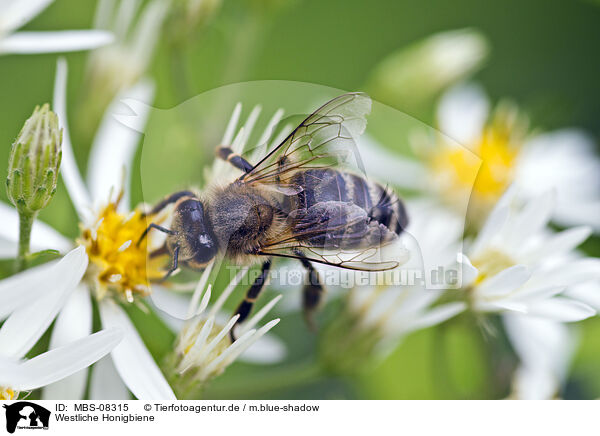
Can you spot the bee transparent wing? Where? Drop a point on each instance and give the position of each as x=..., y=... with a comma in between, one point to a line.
x=336, y=233
x=326, y=138
x=359, y=260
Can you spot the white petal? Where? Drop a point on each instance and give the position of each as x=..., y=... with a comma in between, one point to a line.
x=561, y=309
x=200, y=287
x=535, y=384
x=545, y=349
x=24, y=287
x=114, y=147
x=171, y=307
x=133, y=361
x=509, y=305
x=57, y=364
x=253, y=337
x=267, y=350
x=564, y=160
x=538, y=342
x=68, y=167
x=559, y=243
x=570, y=273
x=468, y=272
x=492, y=227
x=462, y=113
x=588, y=293
x=54, y=42
x=232, y=124
x=505, y=281
x=73, y=322
x=528, y=292
x=106, y=384
x=531, y=219
x=138, y=108
x=43, y=236
x=16, y=13
x=269, y=130
x=247, y=129
x=27, y=324
x=437, y=315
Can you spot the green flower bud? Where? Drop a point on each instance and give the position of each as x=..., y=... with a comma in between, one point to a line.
x=419, y=72
x=34, y=162
x=347, y=346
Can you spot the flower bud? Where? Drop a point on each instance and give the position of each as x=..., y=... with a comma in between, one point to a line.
x=421, y=70
x=34, y=162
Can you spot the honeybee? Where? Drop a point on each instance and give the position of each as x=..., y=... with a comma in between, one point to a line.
x=299, y=201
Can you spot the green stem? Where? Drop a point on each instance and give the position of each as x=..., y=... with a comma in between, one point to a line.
x=25, y=224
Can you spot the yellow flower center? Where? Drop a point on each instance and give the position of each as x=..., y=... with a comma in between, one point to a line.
x=490, y=263
x=118, y=265
x=489, y=176
x=7, y=394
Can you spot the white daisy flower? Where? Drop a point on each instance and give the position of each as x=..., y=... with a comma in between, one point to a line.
x=31, y=301
x=204, y=348
x=496, y=151
x=18, y=375
x=15, y=14
x=545, y=349
x=516, y=264
x=117, y=269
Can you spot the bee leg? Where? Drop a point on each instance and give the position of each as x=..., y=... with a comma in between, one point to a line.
x=234, y=159
x=312, y=294
x=157, y=227
x=173, y=265
x=245, y=306
x=169, y=200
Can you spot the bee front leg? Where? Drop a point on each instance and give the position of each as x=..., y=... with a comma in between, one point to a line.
x=245, y=306
x=157, y=227
x=174, y=265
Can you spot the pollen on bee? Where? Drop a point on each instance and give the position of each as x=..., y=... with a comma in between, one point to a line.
x=117, y=266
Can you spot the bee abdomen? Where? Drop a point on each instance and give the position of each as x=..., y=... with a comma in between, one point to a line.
x=322, y=185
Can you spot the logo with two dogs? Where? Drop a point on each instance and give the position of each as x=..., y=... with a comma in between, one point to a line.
x=26, y=415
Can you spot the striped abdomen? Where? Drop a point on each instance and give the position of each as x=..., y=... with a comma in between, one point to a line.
x=325, y=185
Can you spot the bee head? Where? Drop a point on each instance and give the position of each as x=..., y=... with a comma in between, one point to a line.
x=194, y=236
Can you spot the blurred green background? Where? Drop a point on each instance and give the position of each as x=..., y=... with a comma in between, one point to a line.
x=543, y=55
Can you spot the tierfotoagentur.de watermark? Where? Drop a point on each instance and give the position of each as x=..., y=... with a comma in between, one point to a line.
x=287, y=275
